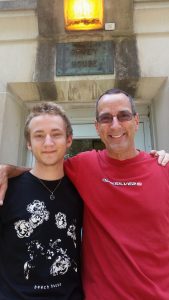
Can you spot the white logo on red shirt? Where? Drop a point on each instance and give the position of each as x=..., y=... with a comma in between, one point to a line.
x=122, y=183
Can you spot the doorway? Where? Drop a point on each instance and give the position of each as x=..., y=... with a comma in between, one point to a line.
x=81, y=145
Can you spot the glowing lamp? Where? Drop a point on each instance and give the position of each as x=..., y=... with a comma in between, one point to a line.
x=83, y=14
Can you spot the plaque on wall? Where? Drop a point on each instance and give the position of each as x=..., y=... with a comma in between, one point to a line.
x=85, y=58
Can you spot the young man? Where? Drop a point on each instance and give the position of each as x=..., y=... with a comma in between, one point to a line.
x=41, y=219
x=126, y=223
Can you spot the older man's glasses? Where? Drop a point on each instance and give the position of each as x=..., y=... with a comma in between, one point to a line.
x=122, y=116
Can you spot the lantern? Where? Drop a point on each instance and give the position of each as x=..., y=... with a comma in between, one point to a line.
x=83, y=14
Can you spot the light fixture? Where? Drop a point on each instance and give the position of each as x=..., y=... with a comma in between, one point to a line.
x=83, y=14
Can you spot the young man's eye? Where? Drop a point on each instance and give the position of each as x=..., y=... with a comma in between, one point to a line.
x=55, y=135
x=39, y=136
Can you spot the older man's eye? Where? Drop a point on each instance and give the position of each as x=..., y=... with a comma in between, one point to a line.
x=124, y=116
x=105, y=119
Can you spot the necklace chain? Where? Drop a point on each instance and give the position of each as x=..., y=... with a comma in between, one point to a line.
x=52, y=196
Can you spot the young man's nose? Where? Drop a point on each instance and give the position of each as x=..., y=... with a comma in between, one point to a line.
x=48, y=139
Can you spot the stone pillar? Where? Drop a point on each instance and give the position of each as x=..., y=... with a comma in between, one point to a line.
x=11, y=126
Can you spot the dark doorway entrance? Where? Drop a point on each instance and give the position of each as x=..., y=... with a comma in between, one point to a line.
x=81, y=145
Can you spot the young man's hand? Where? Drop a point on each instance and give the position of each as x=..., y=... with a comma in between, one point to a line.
x=162, y=156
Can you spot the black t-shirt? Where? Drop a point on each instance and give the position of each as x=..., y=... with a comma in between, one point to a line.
x=40, y=241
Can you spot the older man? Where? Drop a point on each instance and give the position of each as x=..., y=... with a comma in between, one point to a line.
x=126, y=217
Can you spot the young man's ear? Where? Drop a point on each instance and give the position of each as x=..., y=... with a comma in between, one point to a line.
x=29, y=146
x=69, y=141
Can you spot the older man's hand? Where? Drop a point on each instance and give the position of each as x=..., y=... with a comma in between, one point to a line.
x=3, y=182
x=7, y=171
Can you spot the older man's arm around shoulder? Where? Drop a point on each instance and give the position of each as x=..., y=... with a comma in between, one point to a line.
x=7, y=171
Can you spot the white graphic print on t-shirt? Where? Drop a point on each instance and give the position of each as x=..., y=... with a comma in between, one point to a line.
x=53, y=254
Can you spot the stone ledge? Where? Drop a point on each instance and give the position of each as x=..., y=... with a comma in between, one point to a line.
x=87, y=90
x=18, y=5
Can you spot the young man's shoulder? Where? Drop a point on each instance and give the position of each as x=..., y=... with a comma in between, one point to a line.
x=19, y=179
